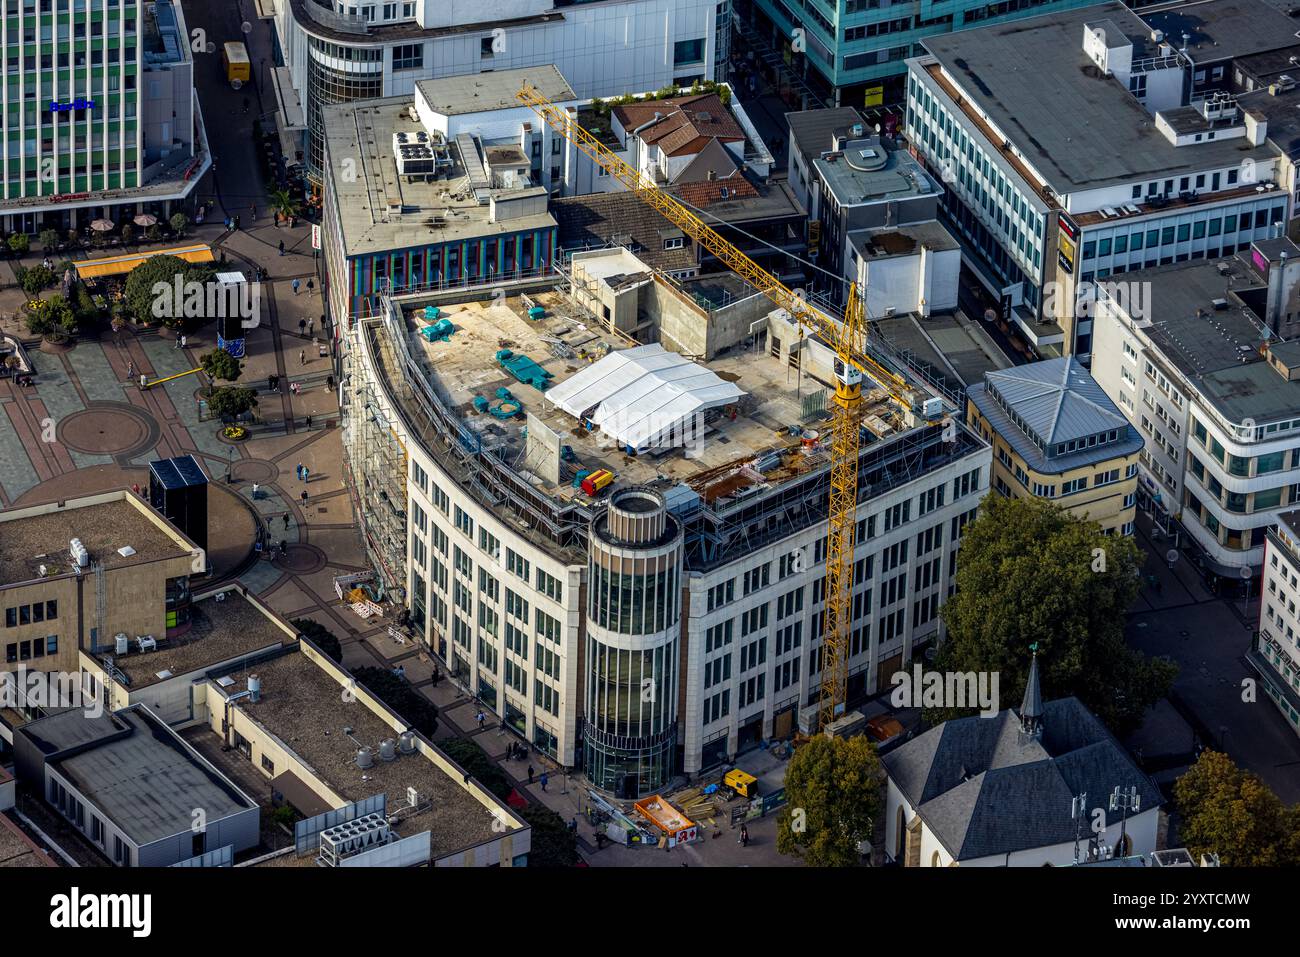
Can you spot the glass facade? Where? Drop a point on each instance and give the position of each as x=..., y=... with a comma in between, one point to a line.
x=633, y=642
x=337, y=74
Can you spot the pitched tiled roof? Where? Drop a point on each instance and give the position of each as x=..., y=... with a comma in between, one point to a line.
x=686, y=124
x=984, y=788
x=621, y=218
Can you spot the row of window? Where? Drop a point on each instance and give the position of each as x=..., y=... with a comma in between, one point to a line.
x=31, y=613
x=33, y=648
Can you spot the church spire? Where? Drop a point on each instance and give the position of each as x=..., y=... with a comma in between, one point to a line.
x=1031, y=709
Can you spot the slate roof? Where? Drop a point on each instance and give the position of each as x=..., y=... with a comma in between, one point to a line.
x=984, y=788
x=687, y=123
x=713, y=158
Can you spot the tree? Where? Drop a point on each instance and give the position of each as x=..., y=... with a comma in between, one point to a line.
x=230, y=402
x=179, y=222
x=476, y=761
x=128, y=234
x=833, y=791
x=1031, y=573
x=220, y=364
x=284, y=205
x=401, y=697
x=140, y=295
x=553, y=844
x=49, y=240
x=1232, y=813
x=51, y=318
x=319, y=636
x=35, y=279
x=19, y=244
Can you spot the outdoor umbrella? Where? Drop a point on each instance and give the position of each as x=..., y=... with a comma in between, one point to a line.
x=146, y=219
x=102, y=225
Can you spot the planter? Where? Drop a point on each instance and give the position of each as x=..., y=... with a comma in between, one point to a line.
x=234, y=433
x=56, y=347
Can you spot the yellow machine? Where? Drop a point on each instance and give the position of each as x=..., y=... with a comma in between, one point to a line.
x=848, y=337
x=239, y=70
x=740, y=783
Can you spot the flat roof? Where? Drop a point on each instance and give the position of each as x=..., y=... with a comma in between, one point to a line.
x=867, y=171
x=301, y=704
x=27, y=542
x=431, y=212
x=1217, y=349
x=17, y=849
x=1224, y=29
x=814, y=130
x=887, y=242
x=219, y=631
x=1077, y=128
x=137, y=772
x=495, y=90
x=1291, y=519
x=564, y=342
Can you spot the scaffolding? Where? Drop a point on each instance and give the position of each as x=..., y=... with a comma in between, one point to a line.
x=377, y=460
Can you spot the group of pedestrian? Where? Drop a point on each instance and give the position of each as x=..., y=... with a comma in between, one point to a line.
x=295, y=388
x=273, y=382
x=182, y=340
x=303, y=472
x=23, y=381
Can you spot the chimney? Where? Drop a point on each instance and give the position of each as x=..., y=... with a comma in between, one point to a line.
x=711, y=175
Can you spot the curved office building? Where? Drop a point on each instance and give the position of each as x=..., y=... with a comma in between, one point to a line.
x=633, y=628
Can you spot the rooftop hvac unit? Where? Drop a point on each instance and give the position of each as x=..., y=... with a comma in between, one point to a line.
x=352, y=837
x=122, y=643
x=80, y=557
x=146, y=643
x=406, y=742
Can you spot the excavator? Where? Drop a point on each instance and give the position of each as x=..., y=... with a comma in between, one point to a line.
x=853, y=362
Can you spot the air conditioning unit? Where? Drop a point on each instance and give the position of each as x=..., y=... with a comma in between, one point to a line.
x=146, y=643
x=352, y=837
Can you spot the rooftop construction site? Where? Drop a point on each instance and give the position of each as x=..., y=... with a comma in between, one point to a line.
x=621, y=376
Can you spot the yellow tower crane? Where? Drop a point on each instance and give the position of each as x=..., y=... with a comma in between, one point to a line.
x=847, y=337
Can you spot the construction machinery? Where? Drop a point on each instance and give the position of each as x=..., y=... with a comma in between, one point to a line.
x=848, y=339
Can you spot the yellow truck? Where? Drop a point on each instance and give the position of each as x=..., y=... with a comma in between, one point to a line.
x=239, y=70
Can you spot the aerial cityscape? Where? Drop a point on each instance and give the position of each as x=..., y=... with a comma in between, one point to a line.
x=649, y=433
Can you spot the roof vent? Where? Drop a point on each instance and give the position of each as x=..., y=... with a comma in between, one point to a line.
x=1219, y=304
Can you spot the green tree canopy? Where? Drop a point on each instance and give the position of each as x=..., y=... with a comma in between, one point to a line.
x=220, y=364
x=231, y=401
x=49, y=239
x=36, y=278
x=833, y=788
x=1029, y=573
x=52, y=317
x=179, y=222
x=553, y=844
x=398, y=694
x=1232, y=813
x=140, y=295
x=320, y=636
x=18, y=243
x=476, y=761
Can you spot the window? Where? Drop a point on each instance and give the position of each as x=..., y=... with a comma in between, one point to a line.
x=464, y=523
x=688, y=51
x=408, y=56
x=674, y=242
x=268, y=765
x=549, y=586
x=517, y=565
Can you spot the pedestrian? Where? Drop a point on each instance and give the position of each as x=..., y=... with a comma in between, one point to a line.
x=252, y=211
x=298, y=471
x=143, y=379
x=178, y=340
x=481, y=716
x=297, y=283
x=306, y=472
x=309, y=422
x=130, y=368
x=304, y=496
x=329, y=382
x=185, y=341
x=236, y=222
x=543, y=780
x=245, y=104
x=302, y=357
x=282, y=247
x=286, y=521
x=311, y=284
x=310, y=322
x=284, y=547
x=530, y=774
x=255, y=492
x=302, y=327
x=744, y=835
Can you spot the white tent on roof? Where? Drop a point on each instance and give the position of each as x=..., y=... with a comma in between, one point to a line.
x=642, y=397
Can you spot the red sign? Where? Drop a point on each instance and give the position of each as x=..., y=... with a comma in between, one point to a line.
x=68, y=197
x=1068, y=227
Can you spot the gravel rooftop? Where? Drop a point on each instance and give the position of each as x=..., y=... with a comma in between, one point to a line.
x=103, y=529
x=220, y=631
x=303, y=706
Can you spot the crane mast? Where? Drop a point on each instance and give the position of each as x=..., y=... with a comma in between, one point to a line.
x=849, y=340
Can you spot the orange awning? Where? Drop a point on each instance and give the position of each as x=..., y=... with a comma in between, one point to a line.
x=120, y=265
